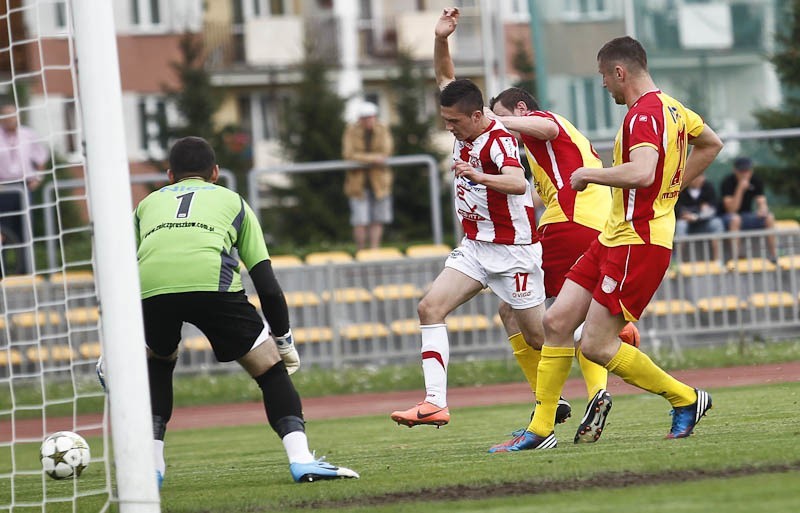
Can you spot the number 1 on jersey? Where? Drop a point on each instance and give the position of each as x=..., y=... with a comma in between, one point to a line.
x=184, y=205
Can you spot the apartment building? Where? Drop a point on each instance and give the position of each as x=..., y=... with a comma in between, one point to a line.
x=711, y=54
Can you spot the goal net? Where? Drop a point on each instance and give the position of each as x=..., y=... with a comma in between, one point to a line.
x=69, y=288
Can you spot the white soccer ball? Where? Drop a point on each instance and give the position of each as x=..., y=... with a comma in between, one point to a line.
x=64, y=455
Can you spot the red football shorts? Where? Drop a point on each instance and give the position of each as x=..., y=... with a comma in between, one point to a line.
x=562, y=244
x=622, y=278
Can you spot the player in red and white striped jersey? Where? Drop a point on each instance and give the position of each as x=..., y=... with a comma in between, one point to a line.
x=500, y=248
x=487, y=214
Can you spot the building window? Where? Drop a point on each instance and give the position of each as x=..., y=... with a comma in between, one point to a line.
x=261, y=114
x=146, y=13
x=592, y=107
x=61, y=14
x=245, y=9
x=580, y=10
x=153, y=126
x=71, y=133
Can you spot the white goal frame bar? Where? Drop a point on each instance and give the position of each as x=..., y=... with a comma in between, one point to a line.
x=110, y=204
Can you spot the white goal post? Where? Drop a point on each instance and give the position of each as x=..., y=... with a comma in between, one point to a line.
x=111, y=209
x=60, y=84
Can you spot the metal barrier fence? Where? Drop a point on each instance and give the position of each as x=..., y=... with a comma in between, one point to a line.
x=364, y=312
x=51, y=205
x=254, y=182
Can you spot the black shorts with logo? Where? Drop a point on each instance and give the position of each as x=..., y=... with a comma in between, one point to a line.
x=227, y=319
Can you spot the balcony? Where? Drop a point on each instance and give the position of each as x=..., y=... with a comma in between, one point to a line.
x=276, y=43
x=659, y=31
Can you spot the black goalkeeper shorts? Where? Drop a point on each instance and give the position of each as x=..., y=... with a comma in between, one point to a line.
x=227, y=319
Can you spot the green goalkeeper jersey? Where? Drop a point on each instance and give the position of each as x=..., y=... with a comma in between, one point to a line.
x=185, y=238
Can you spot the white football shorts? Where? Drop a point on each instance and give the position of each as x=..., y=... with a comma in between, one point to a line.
x=513, y=272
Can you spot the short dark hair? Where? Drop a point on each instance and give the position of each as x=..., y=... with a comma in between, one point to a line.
x=512, y=96
x=625, y=49
x=192, y=156
x=462, y=94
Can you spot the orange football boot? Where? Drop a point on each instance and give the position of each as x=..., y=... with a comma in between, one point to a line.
x=422, y=413
x=630, y=335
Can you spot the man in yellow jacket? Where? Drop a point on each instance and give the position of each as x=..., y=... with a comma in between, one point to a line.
x=369, y=189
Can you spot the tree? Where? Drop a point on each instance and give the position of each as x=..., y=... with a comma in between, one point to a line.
x=786, y=178
x=197, y=102
x=523, y=64
x=316, y=211
x=412, y=136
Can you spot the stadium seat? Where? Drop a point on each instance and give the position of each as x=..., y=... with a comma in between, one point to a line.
x=665, y=315
x=751, y=265
x=90, y=350
x=468, y=322
x=703, y=268
x=72, y=277
x=284, y=261
x=31, y=319
x=787, y=263
x=196, y=343
x=670, y=307
x=378, y=254
x=720, y=303
x=348, y=295
x=771, y=299
x=428, y=250
x=83, y=315
x=22, y=281
x=364, y=330
x=394, y=291
x=405, y=326
x=328, y=257
x=311, y=334
x=301, y=298
x=364, y=338
x=58, y=354
x=10, y=357
x=787, y=224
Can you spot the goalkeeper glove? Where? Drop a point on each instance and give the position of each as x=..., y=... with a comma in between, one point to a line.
x=100, y=369
x=288, y=352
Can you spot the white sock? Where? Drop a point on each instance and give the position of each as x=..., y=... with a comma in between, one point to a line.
x=435, y=356
x=296, y=445
x=576, y=336
x=158, y=452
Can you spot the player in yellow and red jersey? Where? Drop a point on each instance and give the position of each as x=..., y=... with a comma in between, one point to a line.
x=572, y=219
x=615, y=279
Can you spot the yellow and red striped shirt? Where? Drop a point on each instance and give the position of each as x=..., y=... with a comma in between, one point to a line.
x=647, y=215
x=552, y=162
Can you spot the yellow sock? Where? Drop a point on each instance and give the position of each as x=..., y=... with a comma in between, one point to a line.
x=638, y=369
x=553, y=371
x=595, y=376
x=527, y=358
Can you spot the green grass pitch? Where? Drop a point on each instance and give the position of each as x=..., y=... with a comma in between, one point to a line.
x=744, y=457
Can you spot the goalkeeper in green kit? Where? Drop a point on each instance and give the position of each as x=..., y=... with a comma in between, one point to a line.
x=186, y=233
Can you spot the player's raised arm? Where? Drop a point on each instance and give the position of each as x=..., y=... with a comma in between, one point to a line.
x=705, y=148
x=442, y=62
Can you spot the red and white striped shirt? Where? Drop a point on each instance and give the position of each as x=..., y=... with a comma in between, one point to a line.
x=488, y=215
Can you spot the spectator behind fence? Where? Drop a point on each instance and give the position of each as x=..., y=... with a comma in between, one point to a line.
x=369, y=189
x=21, y=155
x=740, y=190
x=696, y=212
